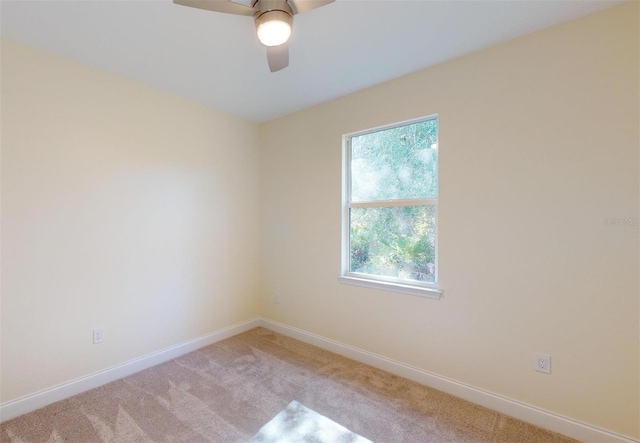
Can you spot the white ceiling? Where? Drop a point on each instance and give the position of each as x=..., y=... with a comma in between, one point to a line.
x=217, y=60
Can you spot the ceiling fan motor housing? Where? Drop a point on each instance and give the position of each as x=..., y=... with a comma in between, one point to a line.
x=263, y=6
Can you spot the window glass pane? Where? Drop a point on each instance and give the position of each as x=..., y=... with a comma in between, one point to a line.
x=396, y=241
x=395, y=163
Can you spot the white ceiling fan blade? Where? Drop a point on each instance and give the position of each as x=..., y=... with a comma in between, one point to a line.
x=278, y=57
x=300, y=6
x=225, y=6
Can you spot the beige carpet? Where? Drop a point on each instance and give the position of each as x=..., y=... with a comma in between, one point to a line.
x=228, y=391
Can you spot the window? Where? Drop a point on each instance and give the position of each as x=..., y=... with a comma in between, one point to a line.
x=390, y=194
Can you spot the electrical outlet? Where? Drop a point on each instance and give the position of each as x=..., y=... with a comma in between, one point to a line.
x=98, y=336
x=543, y=363
x=276, y=298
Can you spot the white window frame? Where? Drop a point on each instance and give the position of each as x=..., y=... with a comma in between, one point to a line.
x=413, y=287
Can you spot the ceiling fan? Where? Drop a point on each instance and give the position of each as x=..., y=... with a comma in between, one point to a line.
x=273, y=18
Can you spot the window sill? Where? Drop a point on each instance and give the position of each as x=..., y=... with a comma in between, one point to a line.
x=394, y=287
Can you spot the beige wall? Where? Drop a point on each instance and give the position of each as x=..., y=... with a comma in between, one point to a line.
x=539, y=144
x=123, y=208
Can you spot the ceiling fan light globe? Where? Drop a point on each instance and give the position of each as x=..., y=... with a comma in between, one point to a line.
x=274, y=28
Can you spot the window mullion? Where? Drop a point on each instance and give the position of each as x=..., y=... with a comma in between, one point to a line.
x=396, y=202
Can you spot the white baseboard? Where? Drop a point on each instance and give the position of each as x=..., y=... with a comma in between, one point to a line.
x=522, y=411
x=47, y=396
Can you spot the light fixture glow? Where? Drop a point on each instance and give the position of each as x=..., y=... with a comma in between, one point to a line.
x=274, y=28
